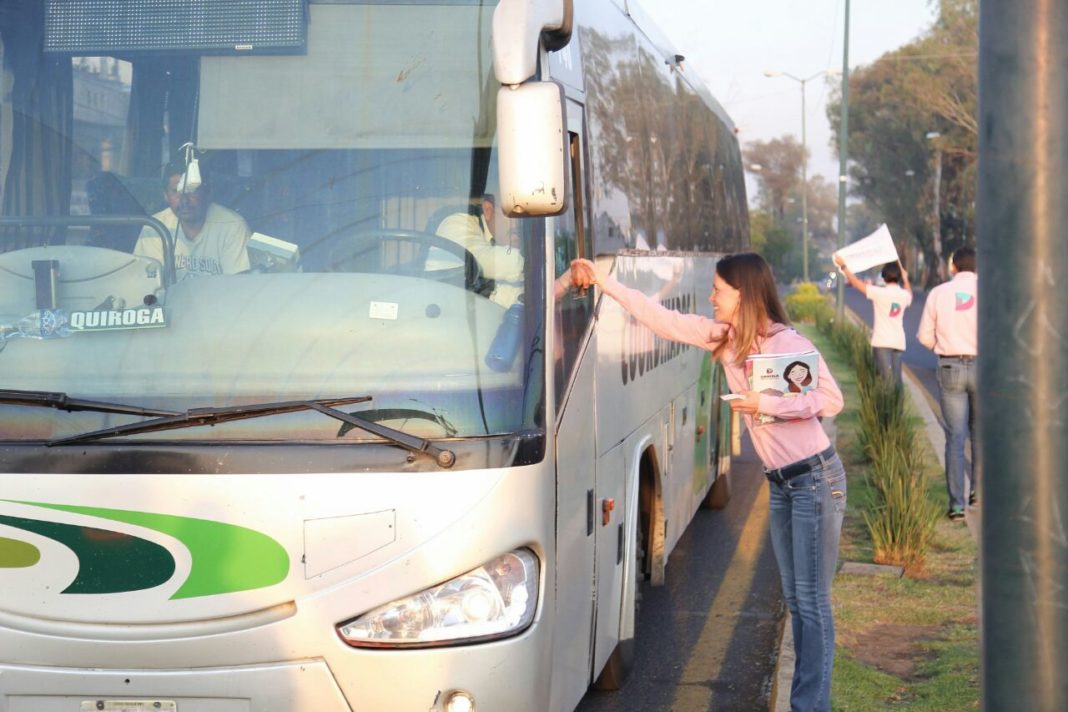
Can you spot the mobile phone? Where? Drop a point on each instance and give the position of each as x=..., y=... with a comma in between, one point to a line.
x=732, y=396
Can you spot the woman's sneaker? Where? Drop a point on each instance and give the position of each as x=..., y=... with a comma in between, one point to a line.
x=956, y=513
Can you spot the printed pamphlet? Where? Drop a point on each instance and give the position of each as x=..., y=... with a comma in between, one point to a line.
x=784, y=375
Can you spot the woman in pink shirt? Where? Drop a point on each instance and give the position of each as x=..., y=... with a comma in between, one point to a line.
x=807, y=481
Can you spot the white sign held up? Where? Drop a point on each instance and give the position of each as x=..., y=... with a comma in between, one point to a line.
x=867, y=252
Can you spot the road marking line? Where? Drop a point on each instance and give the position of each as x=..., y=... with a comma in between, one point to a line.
x=706, y=661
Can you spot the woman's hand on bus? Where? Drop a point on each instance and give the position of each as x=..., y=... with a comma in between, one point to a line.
x=583, y=273
x=749, y=405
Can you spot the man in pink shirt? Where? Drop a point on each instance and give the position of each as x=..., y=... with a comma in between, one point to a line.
x=949, y=327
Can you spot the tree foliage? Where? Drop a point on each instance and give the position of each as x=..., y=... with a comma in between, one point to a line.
x=777, y=227
x=777, y=167
x=912, y=117
x=770, y=239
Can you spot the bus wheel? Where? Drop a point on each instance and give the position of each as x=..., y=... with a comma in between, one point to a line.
x=621, y=661
x=720, y=492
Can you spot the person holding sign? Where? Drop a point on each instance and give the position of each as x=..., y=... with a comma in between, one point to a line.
x=807, y=481
x=888, y=306
x=875, y=249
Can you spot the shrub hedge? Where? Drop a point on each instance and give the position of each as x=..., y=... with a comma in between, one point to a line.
x=901, y=514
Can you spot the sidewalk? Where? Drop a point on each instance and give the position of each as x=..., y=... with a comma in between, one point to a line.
x=928, y=409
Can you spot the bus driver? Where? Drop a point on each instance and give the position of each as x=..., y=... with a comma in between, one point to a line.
x=208, y=238
x=474, y=231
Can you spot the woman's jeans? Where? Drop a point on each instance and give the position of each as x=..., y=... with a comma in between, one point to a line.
x=957, y=391
x=888, y=363
x=806, y=521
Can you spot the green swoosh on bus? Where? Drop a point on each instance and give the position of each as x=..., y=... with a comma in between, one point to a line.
x=226, y=558
x=15, y=554
x=104, y=556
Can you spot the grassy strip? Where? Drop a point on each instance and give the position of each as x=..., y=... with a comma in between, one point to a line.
x=902, y=642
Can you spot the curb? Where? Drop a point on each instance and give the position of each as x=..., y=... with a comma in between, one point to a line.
x=925, y=403
x=784, y=668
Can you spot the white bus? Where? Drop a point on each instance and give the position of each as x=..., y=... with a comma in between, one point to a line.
x=392, y=463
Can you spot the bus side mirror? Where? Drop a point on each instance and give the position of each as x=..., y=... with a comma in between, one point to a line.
x=532, y=149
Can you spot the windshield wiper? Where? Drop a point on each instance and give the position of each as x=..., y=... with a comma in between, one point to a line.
x=444, y=458
x=213, y=416
x=377, y=415
x=61, y=401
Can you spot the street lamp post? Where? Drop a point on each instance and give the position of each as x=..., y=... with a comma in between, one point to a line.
x=936, y=241
x=804, y=163
x=843, y=145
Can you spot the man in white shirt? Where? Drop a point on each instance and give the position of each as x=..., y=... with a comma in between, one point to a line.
x=950, y=328
x=208, y=238
x=888, y=307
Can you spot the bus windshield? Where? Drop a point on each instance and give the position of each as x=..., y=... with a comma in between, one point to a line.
x=328, y=228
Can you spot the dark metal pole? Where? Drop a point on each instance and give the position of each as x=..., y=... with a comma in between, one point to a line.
x=843, y=145
x=937, y=217
x=804, y=188
x=1022, y=217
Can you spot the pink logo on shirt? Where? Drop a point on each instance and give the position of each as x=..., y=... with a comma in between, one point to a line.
x=965, y=301
x=895, y=309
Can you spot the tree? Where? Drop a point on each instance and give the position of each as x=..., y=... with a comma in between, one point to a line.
x=768, y=237
x=760, y=224
x=897, y=104
x=780, y=171
x=822, y=212
x=781, y=206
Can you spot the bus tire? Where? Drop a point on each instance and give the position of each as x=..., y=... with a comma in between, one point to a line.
x=621, y=662
x=719, y=494
x=617, y=668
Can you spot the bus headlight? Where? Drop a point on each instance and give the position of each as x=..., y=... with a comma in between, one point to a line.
x=496, y=600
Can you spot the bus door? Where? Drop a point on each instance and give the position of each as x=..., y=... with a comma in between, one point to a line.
x=579, y=535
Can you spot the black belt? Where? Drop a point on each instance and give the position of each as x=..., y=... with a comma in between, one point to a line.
x=788, y=472
x=957, y=357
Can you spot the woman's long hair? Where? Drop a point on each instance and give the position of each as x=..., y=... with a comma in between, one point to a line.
x=758, y=302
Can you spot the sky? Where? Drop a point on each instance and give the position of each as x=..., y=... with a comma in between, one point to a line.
x=729, y=44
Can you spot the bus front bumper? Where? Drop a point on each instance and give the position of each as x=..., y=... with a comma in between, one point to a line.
x=284, y=687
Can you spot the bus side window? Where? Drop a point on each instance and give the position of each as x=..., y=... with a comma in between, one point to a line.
x=571, y=239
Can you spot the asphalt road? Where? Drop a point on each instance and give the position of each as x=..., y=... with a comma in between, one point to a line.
x=708, y=638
